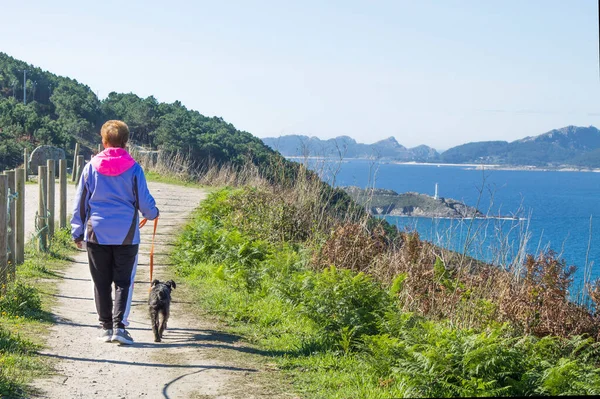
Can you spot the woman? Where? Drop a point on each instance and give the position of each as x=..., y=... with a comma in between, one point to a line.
x=111, y=190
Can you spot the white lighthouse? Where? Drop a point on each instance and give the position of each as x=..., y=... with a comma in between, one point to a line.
x=435, y=196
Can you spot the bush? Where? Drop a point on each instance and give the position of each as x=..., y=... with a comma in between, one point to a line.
x=346, y=305
x=20, y=300
x=433, y=359
x=198, y=243
x=539, y=303
x=242, y=260
x=268, y=215
x=351, y=246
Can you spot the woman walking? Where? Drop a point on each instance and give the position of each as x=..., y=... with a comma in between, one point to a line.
x=111, y=191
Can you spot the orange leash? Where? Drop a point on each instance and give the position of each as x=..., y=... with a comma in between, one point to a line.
x=142, y=224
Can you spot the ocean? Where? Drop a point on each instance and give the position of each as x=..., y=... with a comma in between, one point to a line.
x=558, y=210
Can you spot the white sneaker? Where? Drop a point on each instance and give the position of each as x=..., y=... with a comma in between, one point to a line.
x=106, y=335
x=122, y=335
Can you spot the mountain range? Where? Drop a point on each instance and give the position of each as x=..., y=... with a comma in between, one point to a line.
x=568, y=146
x=347, y=147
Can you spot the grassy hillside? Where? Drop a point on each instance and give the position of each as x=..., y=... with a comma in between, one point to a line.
x=350, y=313
x=61, y=111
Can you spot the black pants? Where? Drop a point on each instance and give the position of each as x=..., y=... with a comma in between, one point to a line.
x=112, y=264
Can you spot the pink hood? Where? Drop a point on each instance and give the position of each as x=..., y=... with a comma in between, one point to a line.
x=112, y=161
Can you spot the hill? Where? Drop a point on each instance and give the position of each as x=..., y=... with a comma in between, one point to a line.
x=60, y=111
x=571, y=145
x=347, y=147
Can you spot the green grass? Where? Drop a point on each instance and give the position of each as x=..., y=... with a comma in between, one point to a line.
x=340, y=334
x=160, y=178
x=25, y=315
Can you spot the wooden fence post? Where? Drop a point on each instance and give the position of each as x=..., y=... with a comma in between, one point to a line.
x=42, y=220
x=20, y=236
x=62, y=209
x=80, y=166
x=3, y=232
x=50, y=197
x=75, y=167
x=12, y=205
x=26, y=163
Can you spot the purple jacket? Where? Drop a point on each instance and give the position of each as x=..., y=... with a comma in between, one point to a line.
x=111, y=191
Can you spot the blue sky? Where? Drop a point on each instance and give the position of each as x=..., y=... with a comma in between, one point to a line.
x=440, y=73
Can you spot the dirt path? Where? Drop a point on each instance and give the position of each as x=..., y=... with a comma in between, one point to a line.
x=193, y=361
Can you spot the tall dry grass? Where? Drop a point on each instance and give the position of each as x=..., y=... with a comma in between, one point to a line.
x=207, y=172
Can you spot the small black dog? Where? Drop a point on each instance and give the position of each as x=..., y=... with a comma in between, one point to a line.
x=159, y=303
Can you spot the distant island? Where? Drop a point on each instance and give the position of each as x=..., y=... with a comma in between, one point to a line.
x=567, y=147
x=388, y=202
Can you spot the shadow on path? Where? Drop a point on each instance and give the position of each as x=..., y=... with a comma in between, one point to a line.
x=145, y=364
x=167, y=385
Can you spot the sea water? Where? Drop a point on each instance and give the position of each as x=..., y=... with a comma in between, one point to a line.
x=558, y=210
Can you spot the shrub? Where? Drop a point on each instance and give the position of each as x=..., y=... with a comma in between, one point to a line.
x=351, y=246
x=346, y=305
x=594, y=293
x=198, y=242
x=216, y=208
x=434, y=359
x=239, y=256
x=20, y=300
x=539, y=303
x=242, y=260
x=275, y=216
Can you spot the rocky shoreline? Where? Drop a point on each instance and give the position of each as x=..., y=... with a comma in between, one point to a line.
x=389, y=202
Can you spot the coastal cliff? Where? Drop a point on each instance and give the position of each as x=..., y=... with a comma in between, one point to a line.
x=389, y=202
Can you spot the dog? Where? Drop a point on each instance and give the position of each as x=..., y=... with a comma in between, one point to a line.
x=159, y=303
